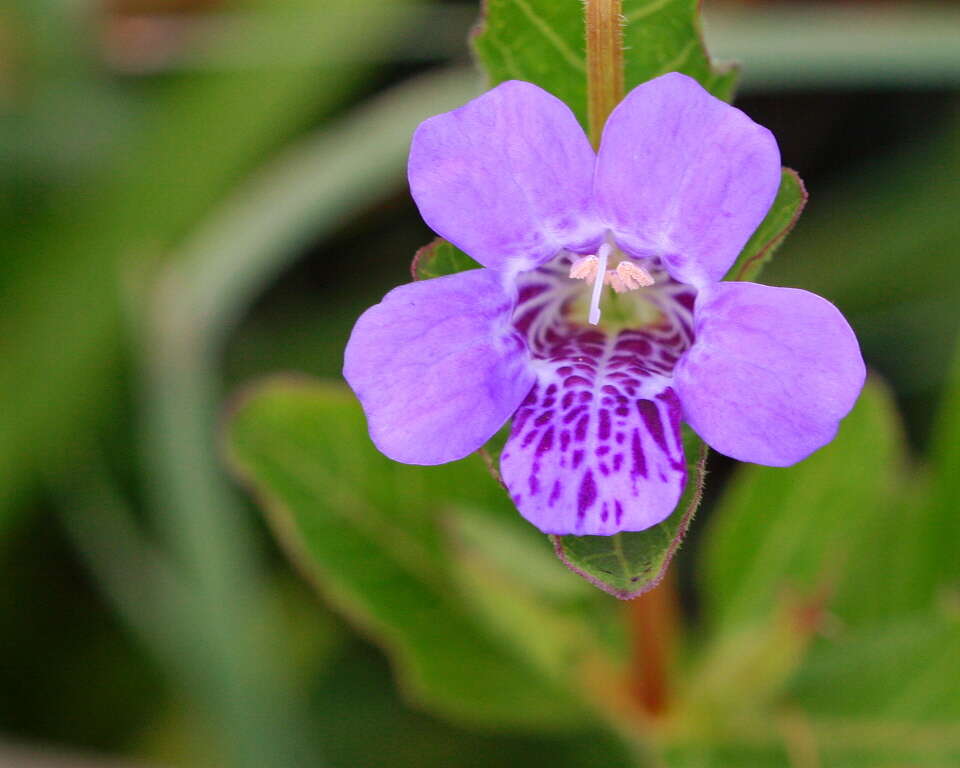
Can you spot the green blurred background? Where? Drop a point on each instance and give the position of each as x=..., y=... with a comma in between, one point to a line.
x=199, y=192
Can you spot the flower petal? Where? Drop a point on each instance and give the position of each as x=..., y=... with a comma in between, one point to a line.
x=684, y=176
x=596, y=446
x=772, y=372
x=506, y=178
x=438, y=367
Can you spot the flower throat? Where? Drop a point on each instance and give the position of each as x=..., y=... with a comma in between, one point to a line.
x=625, y=277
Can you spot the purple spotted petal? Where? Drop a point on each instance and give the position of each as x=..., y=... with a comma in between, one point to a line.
x=507, y=177
x=596, y=448
x=684, y=176
x=438, y=367
x=771, y=374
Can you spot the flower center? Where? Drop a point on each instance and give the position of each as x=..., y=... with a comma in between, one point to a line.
x=627, y=276
x=552, y=310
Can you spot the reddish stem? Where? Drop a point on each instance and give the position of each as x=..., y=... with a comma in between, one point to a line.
x=653, y=622
x=604, y=27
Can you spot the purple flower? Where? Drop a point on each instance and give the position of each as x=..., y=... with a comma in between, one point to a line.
x=598, y=321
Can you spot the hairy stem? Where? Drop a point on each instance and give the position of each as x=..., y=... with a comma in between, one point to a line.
x=604, y=26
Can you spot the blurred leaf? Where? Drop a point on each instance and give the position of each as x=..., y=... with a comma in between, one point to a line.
x=905, y=670
x=509, y=576
x=885, y=695
x=942, y=516
x=63, y=288
x=362, y=724
x=362, y=528
x=804, y=527
x=439, y=258
x=738, y=680
x=543, y=42
x=783, y=214
x=882, y=247
x=629, y=564
x=797, y=741
x=563, y=628
x=709, y=756
x=802, y=585
x=853, y=247
x=518, y=552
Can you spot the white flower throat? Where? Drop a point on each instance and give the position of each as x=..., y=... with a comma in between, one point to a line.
x=628, y=276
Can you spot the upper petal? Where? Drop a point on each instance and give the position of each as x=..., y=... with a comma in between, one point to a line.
x=772, y=372
x=684, y=176
x=507, y=177
x=438, y=367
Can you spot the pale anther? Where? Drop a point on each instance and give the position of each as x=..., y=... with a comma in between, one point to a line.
x=628, y=276
x=615, y=281
x=585, y=268
x=633, y=276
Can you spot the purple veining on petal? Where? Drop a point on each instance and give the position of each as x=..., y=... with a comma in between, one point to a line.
x=639, y=463
x=604, y=444
x=555, y=492
x=651, y=418
x=587, y=494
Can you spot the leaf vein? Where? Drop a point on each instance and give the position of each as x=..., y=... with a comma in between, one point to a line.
x=680, y=59
x=646, y=10
x=570, y=56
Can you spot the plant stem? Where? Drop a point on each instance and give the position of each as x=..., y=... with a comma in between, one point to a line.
x=604, y=25
x=653, y=619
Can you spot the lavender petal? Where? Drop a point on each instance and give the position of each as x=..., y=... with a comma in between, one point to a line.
x=438, y=367
x=506, y=178
x=684, y=176
x=772, y=372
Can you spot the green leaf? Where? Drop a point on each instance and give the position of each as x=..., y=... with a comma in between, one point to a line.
x=942, y=517
x=540, y=41
x=439, y=258
x=795, y=740
x=905, y=670
x=708, y=756
x=783, y=214
x=543, y=42
x=628, y=564
x=810, y=526
x=510, y=599
x=364, y=530
x=665, y=36
x=197, y=135
x=519, y=552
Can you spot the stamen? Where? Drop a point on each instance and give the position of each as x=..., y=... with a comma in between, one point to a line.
x=594, y=316
x=633, y=276
x=585, y=268
x=614, y=281
x=628, y=276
